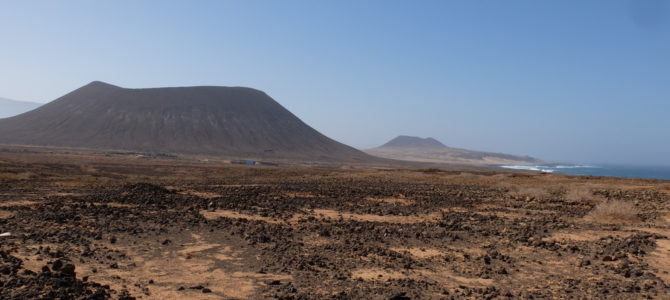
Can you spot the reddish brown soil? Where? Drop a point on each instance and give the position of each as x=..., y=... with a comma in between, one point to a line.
x=87, y=227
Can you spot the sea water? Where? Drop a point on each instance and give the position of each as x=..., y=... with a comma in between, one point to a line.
x=655, y=172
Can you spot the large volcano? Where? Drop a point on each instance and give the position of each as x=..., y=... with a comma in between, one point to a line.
x=228, y=121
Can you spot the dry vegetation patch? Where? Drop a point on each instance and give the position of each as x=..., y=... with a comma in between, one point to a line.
x=204, y=195
x=18, y=176
x=613, y=211
x=333, y=214
x=5, y=214
x=530, y=192
x=18, y=203
x=221, y=213
x=584, y=235
x=401, y=200
x=300, y=195
x=122, y=205
x=377, y=274
x=421, y=253
x=582, y=193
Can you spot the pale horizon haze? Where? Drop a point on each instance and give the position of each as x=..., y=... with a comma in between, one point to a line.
x=566, y=81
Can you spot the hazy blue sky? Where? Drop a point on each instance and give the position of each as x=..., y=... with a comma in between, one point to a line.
x=575, y=81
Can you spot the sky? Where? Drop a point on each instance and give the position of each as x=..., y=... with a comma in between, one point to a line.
x=568, y=81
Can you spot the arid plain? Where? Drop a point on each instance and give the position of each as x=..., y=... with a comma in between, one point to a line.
x=92, y=226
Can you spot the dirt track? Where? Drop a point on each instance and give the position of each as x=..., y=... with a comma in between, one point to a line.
x=87, y=227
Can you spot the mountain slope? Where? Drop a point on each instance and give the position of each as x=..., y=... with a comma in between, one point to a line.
x=430, y=150
x=228, y=121
x=10, y=108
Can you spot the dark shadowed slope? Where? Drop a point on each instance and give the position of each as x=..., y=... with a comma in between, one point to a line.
x=430, y=150
x=10, y=108
x=228, y=121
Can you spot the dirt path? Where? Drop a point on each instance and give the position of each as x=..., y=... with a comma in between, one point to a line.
x=659, y=259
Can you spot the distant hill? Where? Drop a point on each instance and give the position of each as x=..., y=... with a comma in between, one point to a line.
x=210, y=120
x=10, y=108
x=404, y=141
x=411, y=148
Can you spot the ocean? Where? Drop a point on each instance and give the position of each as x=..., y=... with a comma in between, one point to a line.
x=654, y=172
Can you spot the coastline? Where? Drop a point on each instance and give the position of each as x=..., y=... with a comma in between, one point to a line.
x=606, y=170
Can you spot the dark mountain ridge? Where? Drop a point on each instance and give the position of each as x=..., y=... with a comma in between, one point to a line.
x=210, y=120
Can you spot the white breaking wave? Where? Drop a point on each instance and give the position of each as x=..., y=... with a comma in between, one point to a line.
x=574, y=167
x=530, y=168
x=547, y=169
